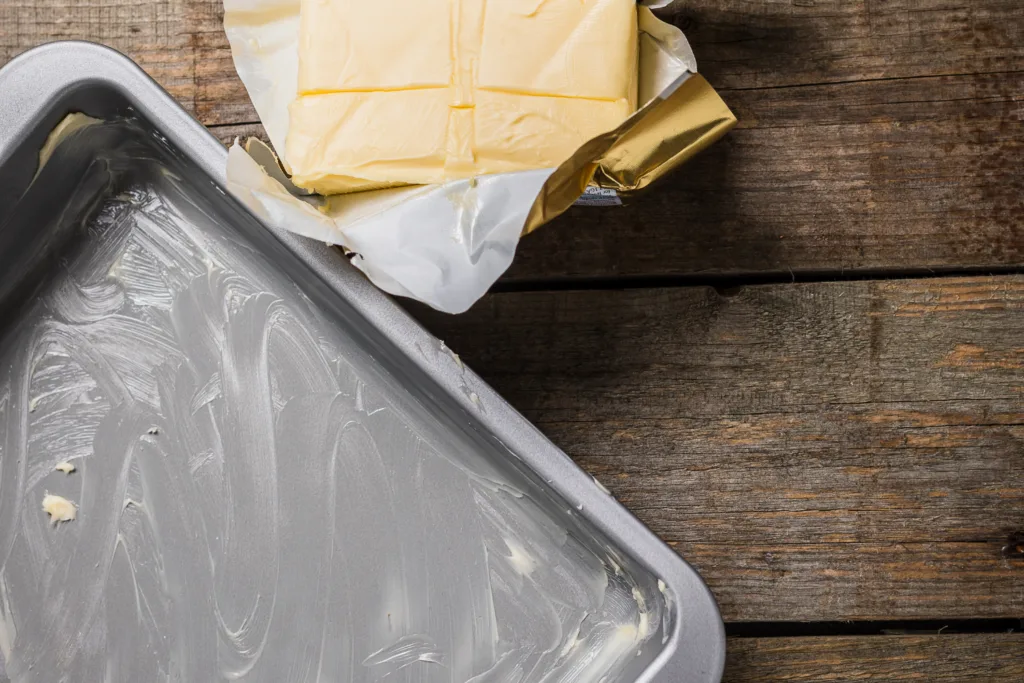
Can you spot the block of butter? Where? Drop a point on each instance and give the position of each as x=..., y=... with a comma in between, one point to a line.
x=395, y=92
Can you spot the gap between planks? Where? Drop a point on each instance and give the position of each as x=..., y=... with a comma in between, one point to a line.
x=785, y=629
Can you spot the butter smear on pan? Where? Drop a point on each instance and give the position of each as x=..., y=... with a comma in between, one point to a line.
x=394, y=92
x=59, y=509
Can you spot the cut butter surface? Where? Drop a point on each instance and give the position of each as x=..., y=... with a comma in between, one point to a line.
x=396, y=92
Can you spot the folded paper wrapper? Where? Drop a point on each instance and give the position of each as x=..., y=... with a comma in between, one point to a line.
x=445, y=245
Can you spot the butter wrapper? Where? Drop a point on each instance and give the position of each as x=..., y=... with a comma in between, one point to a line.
x=445, y=245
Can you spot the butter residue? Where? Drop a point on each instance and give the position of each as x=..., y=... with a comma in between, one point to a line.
x=65, y=467
x=69, y=125
x=519, y=558
x=406, y=651
x=454, y=356
x=59, y=508
x=644, y=619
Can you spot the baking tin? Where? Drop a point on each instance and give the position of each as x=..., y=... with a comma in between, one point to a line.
x=389, y=377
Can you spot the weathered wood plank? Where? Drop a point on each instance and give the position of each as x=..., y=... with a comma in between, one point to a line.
x=995, y=658
x=819, y=451
x=156, y=33
x=902, y=118
x=924, y=172
x=768, y=43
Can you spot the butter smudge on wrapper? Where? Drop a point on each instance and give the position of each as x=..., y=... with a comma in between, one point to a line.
x=445, y=245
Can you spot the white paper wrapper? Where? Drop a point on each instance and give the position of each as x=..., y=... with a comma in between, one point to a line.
x=444, y=245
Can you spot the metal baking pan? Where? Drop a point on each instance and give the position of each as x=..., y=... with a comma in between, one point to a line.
x=279, y=475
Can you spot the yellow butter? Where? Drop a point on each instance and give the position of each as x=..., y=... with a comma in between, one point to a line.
x=572, y=48
x=59, y=509
x=347, y=45
x=424, y=91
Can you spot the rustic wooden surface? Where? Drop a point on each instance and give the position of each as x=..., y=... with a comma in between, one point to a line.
x=994, y=658
x=822, y=452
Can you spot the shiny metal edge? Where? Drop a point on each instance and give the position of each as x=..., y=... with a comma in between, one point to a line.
x=32, y=87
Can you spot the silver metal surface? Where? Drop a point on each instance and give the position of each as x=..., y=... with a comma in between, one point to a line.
x=279, y=475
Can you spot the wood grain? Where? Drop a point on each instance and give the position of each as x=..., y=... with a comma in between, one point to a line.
x=981, y=658
x=905, y=119
x=882, y=175
x=819, y=451
x=746, y=44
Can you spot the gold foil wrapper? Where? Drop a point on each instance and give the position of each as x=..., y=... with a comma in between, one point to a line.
x=663, y=135
x=670, y=133
x=681, y=116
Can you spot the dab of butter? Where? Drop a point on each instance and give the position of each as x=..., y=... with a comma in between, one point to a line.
x=60, y=509
x=65, y=467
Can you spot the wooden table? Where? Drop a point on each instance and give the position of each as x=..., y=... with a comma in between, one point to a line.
x=801, y=359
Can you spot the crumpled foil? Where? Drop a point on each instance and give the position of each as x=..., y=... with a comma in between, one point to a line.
x=445, y=245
